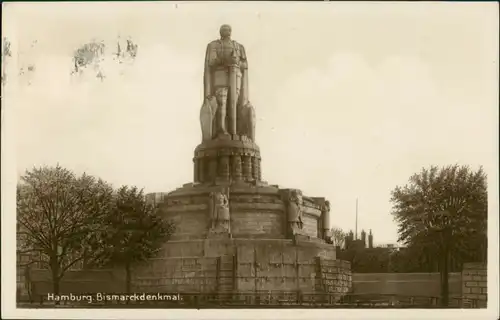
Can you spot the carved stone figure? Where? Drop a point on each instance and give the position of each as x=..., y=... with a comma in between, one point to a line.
x=246, y=121
x=219, y=212
x=226, y=109
x=295, y=211
x=325, y=223
x=207, y=118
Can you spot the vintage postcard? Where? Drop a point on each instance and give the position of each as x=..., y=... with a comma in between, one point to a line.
x=295, y=160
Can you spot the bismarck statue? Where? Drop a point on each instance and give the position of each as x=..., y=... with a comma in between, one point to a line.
x=228, y=218
x=226, y=111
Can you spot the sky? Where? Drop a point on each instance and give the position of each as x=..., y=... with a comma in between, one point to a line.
x=351, y=98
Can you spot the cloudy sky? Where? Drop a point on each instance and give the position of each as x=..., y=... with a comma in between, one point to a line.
x=351, y=98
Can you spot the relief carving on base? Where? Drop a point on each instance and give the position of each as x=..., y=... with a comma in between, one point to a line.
x=219, y=212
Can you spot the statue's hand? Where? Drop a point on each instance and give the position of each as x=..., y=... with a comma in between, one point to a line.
x=234, y=60
x=215, y=62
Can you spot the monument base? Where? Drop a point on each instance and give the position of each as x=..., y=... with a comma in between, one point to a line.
x=255, y=253
x=243, y=266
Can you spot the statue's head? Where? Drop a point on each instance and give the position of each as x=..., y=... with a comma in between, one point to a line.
x=225, y=31
x=299, y=199
x=220, y=197
x=327, y=206
x=296, y=196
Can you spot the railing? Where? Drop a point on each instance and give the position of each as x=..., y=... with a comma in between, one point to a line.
x=262, y=299
x=402, y=301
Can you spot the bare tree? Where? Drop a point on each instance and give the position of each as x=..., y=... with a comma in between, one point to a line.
x=59, y=213
x=338, y=237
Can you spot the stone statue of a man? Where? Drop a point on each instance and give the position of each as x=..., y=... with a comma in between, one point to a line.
x=325, y=221
x=226, y=109
x=295, y=221
x=219, y=211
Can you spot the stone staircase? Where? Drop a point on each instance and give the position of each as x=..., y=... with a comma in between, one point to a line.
x=226, y=282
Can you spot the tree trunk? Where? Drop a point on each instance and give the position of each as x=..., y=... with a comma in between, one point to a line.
x=128, y=278
x=444, y=277
x=484, y=249
x=56, y=279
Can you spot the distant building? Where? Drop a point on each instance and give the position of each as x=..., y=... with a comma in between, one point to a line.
x=370, y=240
x=155, y=198
x=364, y=256
x=352, y=243
x=363, y=238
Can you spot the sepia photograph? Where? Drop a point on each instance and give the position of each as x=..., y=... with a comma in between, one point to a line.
x=301, y=160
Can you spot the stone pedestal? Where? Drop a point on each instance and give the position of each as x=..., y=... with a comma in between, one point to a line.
x=267, y=237
x=229, y=158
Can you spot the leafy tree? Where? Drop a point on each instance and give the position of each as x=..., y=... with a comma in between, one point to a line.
x=134, y=232
x=375, y=260
x=57, y=213
x=443, y=210
x=338, y=237
x=413, y=259
x=367, y=260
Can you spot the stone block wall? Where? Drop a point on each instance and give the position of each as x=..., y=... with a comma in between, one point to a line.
x=471, y=284
x=251, y=224
x=256, y=212
x=174, y=275
x=269, y=268
x=247, y=266
x=474, y=282
x=310, y=225
x=405, y=284
x=183, y=248
x=76, y=282
x=264, y=266
x=21, y=276
x=274, y=268
x=221, y=247
x=189, y=224
x=336, y=276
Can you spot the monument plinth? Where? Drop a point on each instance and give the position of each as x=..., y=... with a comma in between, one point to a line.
x=256, y=230
x=229, y=159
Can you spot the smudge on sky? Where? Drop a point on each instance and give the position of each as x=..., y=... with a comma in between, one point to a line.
x=27, y=66
x=94, y=55
x=6, y=53
x=90, y=54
